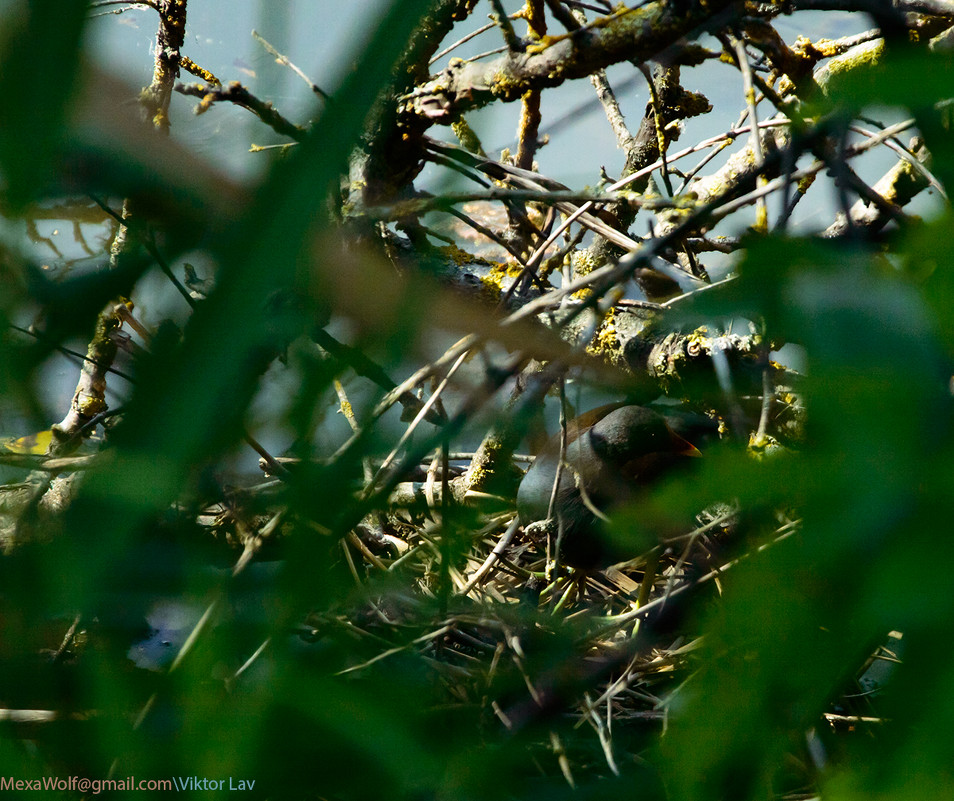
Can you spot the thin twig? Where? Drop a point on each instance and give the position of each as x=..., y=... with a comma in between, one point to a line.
x=463, y=40
x=241, y=96
x=501, y=19
x=742, y=58
x=283, y=60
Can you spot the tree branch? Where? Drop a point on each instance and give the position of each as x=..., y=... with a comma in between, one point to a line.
x=632, y=34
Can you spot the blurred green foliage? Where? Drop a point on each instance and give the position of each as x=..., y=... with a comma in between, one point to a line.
x=782, y=643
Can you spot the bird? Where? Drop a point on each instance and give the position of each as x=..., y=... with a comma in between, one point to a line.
x=612, y=453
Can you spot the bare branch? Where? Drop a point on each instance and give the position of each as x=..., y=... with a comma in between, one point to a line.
x=632, y=34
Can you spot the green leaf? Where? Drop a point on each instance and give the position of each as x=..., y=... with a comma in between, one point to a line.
x=39, y=57
x=797, y=619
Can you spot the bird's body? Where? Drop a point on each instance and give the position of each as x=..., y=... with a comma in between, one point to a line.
x=612, y=453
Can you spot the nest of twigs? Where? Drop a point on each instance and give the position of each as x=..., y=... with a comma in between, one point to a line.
x=583, y=663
